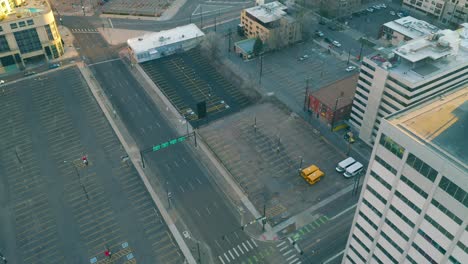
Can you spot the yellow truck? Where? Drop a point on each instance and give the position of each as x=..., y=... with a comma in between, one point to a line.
x=312, y=174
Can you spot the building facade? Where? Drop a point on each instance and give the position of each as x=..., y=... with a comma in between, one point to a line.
x=413, y=206
x=395, y=78
x=332, y=103
x=272, y=24
x=405, y=29
x=28, y=32
x=450, y=12
x=164, y=43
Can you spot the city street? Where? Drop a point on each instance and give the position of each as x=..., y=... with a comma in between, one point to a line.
x=209, y=217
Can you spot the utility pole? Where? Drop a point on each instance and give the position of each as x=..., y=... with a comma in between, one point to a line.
x=201, y=17
x=334, y=110
x=349, y=54
x=215, y=23
x=255, y=124
x=198, y=249
x=229, y=39
x=306, y=95
x=360, y=51
x=261, y=68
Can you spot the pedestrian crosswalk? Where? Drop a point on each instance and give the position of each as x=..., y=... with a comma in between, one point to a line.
x=238, y=251
x=289, y=252
x=84, y=30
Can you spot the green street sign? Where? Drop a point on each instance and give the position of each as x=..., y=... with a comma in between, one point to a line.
x=170, y=142
x=157, y=147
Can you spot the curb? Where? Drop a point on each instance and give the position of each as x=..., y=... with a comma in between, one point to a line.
x=133, y=153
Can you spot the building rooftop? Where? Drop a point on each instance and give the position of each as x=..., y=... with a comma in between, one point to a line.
x=267, y=13
x=344, y=89
x=412, y=27
x=425, y=57
x=28, y=8
x=165, y=37
x=246, y=45
x=440, y=122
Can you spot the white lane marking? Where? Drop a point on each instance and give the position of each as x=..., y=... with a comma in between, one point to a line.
x=220, y=258
x=184, y=160
x=208, y=210
x=158, y=124
x=177, y=164
x=283, y=248
x=280, y=244
x=181, y=188
x=343, y=212
x=235, y=251
x=287, y=252
x=253, y=241
x=292, y=256
x=239, y=247
x=227, y=257
x=198, y=180
x=168, y=167
x=92, y=64
x=334, y=257
x=227, y=239
x=218, y=244
x=246, y=249
x=232, y=256
x=110, y=22
x=191, y=186
x=249, y=244
x=236, y=235
x=294, y=260
x=198, y=213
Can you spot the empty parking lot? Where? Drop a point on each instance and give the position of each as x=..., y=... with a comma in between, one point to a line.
x=187, y=79
x=262, y=147
x=56, y=208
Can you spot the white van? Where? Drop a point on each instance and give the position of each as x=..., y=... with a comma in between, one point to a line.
x=341, y=167
x=353, y=170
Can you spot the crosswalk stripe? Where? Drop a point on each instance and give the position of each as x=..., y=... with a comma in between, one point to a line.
x=249, y=244
x=232, y=256
x=290, y=257
x=235, y=251
x=287, y=252
x=280, y=244
x=253, y=241
x=227, y=257
x=283, y=248
x=239, y=247
x=294, y=260
x=246, y=249
x=220, y=258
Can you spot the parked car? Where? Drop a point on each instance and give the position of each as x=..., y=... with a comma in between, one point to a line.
x=370, y=9
x=383, y=5
x=376, y=7
x=304, y=57
x=350, y=68
x=327, y=40
x=321, y=22
x=400, y=14
x=2, y=81
x=319, y=33
x=54, y=65
x=336, y=43
x=28, y=73
x=392, y=13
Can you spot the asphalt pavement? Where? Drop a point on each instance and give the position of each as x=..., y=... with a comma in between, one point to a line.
x=199, y=205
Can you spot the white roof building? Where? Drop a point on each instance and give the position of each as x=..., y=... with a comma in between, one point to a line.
x=411, y=27
x=267, y=13
x=163, y=43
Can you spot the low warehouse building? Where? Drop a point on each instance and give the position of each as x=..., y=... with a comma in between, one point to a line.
x=163, y=43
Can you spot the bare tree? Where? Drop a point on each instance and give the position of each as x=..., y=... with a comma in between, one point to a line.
x=210, y=45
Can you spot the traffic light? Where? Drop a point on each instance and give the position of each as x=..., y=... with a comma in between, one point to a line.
x=201, y=109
